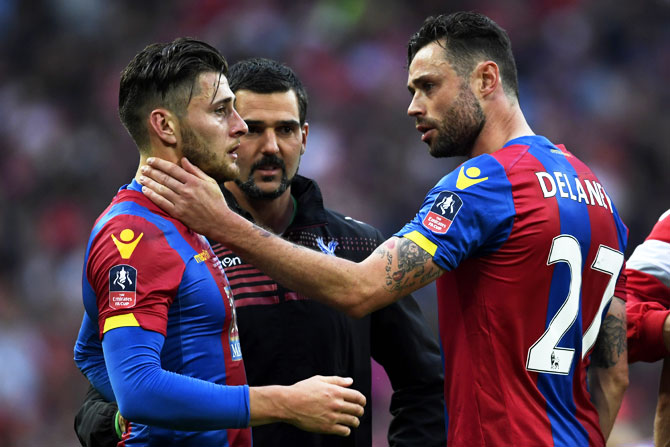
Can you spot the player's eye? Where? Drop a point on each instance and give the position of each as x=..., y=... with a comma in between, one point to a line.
x=255, y=129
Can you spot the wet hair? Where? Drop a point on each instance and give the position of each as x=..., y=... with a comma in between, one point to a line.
x=260, y=75
x=163, y=75
x=469, y=38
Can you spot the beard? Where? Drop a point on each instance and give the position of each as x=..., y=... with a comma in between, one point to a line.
x=211, y=163
x=460, y=128
x=253, y=191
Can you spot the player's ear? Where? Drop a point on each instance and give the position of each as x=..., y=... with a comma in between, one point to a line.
x=486, y=78
x=304, y=132
x=163, y=124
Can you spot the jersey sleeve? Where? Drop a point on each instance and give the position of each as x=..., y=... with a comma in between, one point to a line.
x=134, y=272
x=89, y=358
x=648, y=292
x=411, y=359
x=648, y=268
x=469, y=212
x=150, y=395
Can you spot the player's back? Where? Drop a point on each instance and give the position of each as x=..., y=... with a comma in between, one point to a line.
x=525, y=304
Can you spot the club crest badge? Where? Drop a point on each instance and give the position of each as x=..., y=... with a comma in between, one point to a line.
x=329, y=248
x=122, y=287
x=443, y=212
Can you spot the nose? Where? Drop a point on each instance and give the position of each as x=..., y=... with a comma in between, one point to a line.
x=238, y=127
x=416, y=107
x=269, y=145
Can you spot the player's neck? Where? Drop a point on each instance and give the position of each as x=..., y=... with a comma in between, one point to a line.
x=163, y=153
x=274, y=214
x=501, y=127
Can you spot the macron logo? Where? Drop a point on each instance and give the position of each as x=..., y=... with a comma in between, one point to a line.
x=230, y=261
x=468, y=178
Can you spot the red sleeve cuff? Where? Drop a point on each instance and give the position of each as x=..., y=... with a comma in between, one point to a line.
x=645, y=332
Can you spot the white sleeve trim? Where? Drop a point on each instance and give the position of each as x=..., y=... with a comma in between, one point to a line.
x=652, y=257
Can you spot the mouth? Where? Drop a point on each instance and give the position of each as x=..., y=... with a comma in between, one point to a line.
x=233, y=151
x=426, y=131
x=268, y=170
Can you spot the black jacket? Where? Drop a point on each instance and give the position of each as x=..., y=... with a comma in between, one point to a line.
x=286, y=337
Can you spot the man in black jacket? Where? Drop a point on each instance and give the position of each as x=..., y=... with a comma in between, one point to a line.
x=285, y=336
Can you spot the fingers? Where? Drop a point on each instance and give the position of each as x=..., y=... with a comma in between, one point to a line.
x=354, y=397
x=326, y=405
x=340, y=430
x=193, y=169
x=341, y=425
x=351, y=409
x=160, y=179
x=151, y=190
x=169, y=169
x=159, y=187
x=344, y=424
x=337, y=380
x=348, y=395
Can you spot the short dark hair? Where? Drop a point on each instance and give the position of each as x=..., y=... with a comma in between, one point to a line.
x=469, y=37
x=261, y=75
x=163, y=75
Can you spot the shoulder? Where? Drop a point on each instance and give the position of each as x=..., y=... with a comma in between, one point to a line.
x=128, y=228
x=661, y=230
x=342, y=225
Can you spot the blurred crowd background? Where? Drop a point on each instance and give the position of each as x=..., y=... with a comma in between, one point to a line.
x=593, y=75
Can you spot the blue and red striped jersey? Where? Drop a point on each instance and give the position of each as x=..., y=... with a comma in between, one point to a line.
x=144, y=268
x=532, y=246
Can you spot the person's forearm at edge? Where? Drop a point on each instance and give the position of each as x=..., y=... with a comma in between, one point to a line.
x=608, y=374
x=662, y=417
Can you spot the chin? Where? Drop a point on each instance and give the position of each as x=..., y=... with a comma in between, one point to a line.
x=222, y=176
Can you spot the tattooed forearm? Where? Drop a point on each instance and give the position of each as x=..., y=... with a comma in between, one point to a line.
x=263, y=232
x=409, y=266
x=611, y=342
x=411, y=257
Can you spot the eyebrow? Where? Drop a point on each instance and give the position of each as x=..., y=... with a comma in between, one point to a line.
x=222, y=102
x=419, y=80
x=292, y=123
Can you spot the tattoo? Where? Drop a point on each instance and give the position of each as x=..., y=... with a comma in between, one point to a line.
x=611, y=342
x=263, y=232
x=411, y=266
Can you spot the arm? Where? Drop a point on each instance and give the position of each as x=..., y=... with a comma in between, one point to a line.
x=96, y=421
x=662, y=419
x=89, y=358
x=608, y=374
x=396, y=268
x=150, y=395
x=402, y=343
